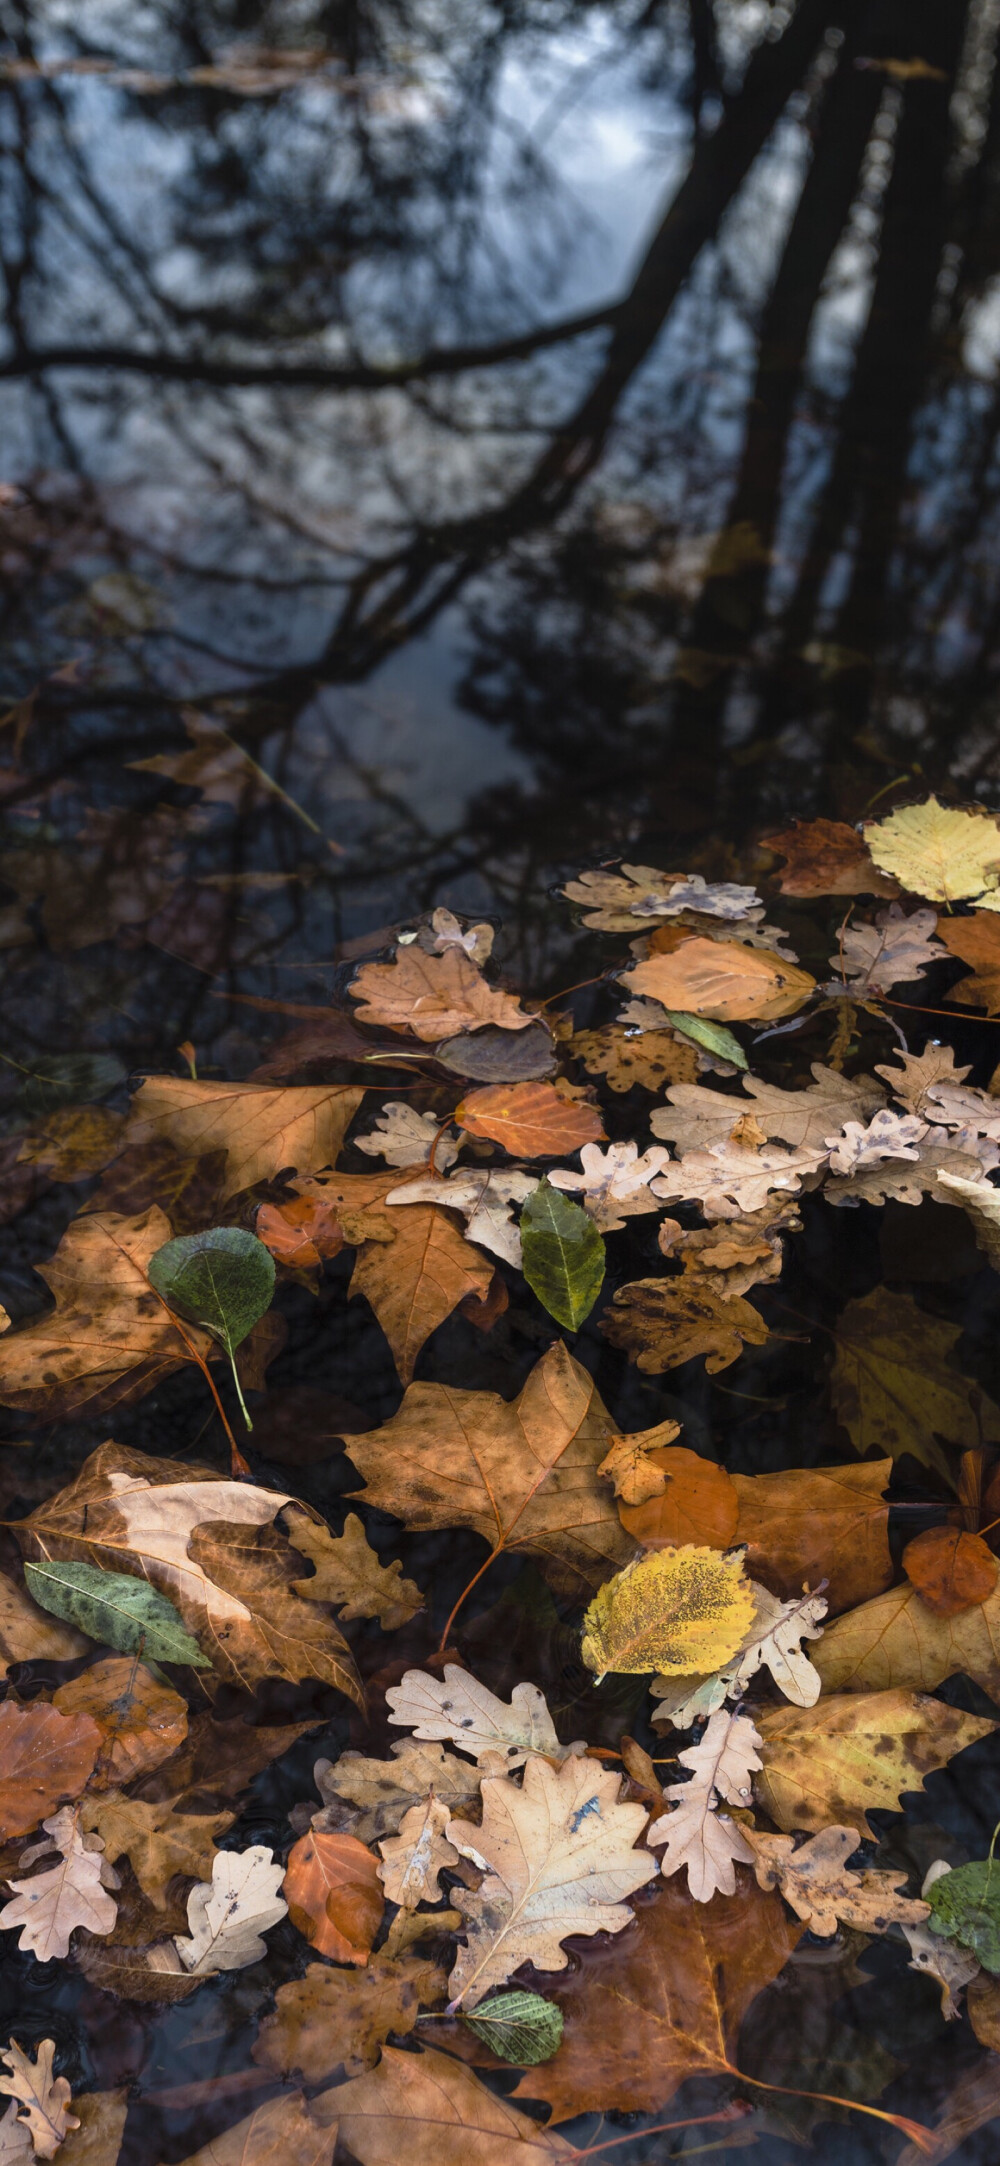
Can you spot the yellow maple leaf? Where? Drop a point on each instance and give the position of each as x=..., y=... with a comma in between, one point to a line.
x=945, y=852
x=674, y=1611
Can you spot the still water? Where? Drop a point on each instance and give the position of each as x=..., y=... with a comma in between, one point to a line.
x=445, y=445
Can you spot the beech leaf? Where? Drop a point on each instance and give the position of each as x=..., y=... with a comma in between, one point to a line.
x=674, y=1611
x=520, y=2028
x=531, y=1120
x=563, y=1256
x=44, y=1757
x=334, y=1897
x=946, y=852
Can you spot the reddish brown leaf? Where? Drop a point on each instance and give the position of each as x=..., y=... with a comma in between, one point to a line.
x=433, y=995
x=300, y=1233
x=826, y=857
x=818, y=1523
x=721, y=979
x=334, y=1895
x=976, y=940
x=531, y=1120
x=141, y=1721
x=698, y=1504
x=45, y=1758
x=951, y=1570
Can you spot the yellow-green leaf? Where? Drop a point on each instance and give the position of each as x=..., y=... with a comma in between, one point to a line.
x=675, y=1611
x=945, y=852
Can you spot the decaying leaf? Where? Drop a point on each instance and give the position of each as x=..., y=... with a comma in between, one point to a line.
x=951, y=1967
x=976, y=941
x=695, y=1833
x=560, y=1860
x=262, y=1130
x=635, y=1474
x=332, y=1889
x=627, y=1057
x=301, y=1233
x=531, y=1120
x=811, y=1523
x=640, y=891
x=44, y=1757
x=431, y=2111
x=723, y=980
x=228, y=1914
x=404, y=1137
x=898, y=1640
x=945, y=852
x=965, y=1906
x=814, y=1879
x=951, y=1570
x=350, y=1574
x=281, y=2130
x=29, y=1633
x=158, y=1840
x=114, y=1608
x=662, y=1322
x=49, y=1906
x=894, y=1388
x=370, y=1798
x=484, y=1197
x=331, y=2019
x=614, y=1184
x=413, y=1859
x=895, y=950
x=734, y=1177
x=458, y=1707
x=981, y=1203
x=826, y=857
x=44, y=2098
x=888, y=1135
x=696, y=1116
x=772, y=1642
x=694, y=1500
x=674, y=1611
x=434, y=996
x=414, y=1284
x=141, y=1719
x=837, y=1761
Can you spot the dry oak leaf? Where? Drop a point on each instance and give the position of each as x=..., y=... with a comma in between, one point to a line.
x=431, y=2111
x=673, y=1611
x=981, y=1203
x=458, y=1707
x=912, y=1075
x=334, y=1895
x=44, y=2097
x=414, y=1858
x=649, y=1057
x=854, y=1753
x=663, y=2002
x=976, y=941
x=228, y=1914
x=50, y=1905
x=523, y=1473
x=736, y=1253
x=812, y=1523
x=109, y=1338
x=414, y=1284
x=663, y=1322
x=888, y=1135
x=730, y=1178
x=772, y=1643
x=644, y=892
x=945, y=852
x=141, y=1720
x=434, y=996
x=897, y=1640
x=814, y=1879
x=370, y=1798
x=951, y=1570
x=350, y=1574
x=44, y=1758
x=697, y=1116
x=635, y=1475
x=127, y=1512
x=531, y=1120
x=158, y=1841
x=696, y=1500
x=694, y=1832
x=826, y=857
x=301, y=1234
x=614, y=1184
x=331, y=2019
x=485, y=1199
x=29, y=1634
x=896, y=950
x=275, y=2134
x=894, y=1389
x=723, y=981
x=261, y=1129
x=559, y=1860
x=404, y=1137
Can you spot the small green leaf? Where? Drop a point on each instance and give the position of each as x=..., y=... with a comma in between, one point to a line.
x=965, y=1906
x=563, y=1255
x=222, y=1279
x=713, y=1036
x=520, y=2028
x=116, y=1609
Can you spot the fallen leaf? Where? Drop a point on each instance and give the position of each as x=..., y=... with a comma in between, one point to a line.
x=73, y=1143
x=562, y=1256
x=415, y=1284
x=903, y=1181
x=973, y=2101
x=559, y=1860
x=983, y=2004
x=287, y=1636
x=262, y=1130
x=896, y=950
x=29, y=1634
x=981, y=1203
x=888, y=1135
x=614, y=1184
x=494, y=1055
x=812, y=1523
x=521, y=2029
x=228, y=1914
x=413, y=1859
x=814, y=1880
x=694, y=1832
x=158, y=1840
x=109, y=1338
x=379, y=1793
x=640, y=891
x=115, y=1609
x=732, y=1178
x=912, y=1075
x=952, y=1571
x=772, y=1643
x=673, y=1611
x=663, y=2002
x=281, y=2130
x=484, y=1199
x=964, y=1906
x=97, y=2141
x=894, y=1389
x=186, y=1189
x=51, y=1905
x=945, y=852
x=44, y=2097
x=334, y=1895
x=826, y=857
x=976, y=941
x=330, y=2019
x=523, y=1473
x=458, y=1707
x=350, y=1574
x=663, y=1322
x=531, y=1120
x=625, y=1057
x=632, y=1467
x=44, y=1758
x=855, y=1753
x=404, y=1137
x=434, y=996
x=141, y=1720
x=695, y=1503
x=445, y=931
x=897, y=1640
x=724, y=981
x=430, y=2111
x=301, y=1234
x=697, y=1116
x=735, y=1253
x=214, y=764
x=950, y=1966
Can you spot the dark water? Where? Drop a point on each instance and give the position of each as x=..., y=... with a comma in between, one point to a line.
x=533, y=433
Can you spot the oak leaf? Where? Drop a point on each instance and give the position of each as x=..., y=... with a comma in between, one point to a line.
x=49, y=1906
x=333, y=1893
x=158, y=1841
x=812, y=1523
x=905, y=1180
x=772, y=1643
x=640, y=891
x=627, y=1057
x=614, y=1184
x=694, y=1832
x=981, y=1203
x=484, y=1198
x=559, y=1860
x=415, y=1284
x=667, y=1494
x=350, y=1574
x=413, y=1859
x=330, y=2019
x=735, y=1254
x=404, y=1137
x=976, y=941
x=674, y=1611
x=912, y=1075
x=523, y=1473
x=893, y=1388
x=663, y=2002
x=262, y=1130
x=895, y=950
x=826, y=857
x=887, y=1135
x=434, y=996
x=458, y=1707
x=663, y=1322
x=29, y=1634
x=897, y=1640
x=370, y=1798
x=945, y=852
x=430, y=2111
x=44, y=1758
x=854, y=1753
x=141, y=1720
x=631, y=1466
x=228, y=1914
x=697, y=1116
x=44, y=2097
x=730, y=1178
x=282, y=2130
x=723, y=980
x=951, y=1570
x=531, y=1120
x=814, y=1880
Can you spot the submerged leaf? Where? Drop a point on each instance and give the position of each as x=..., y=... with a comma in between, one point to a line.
x=222, y=1279
x=951, y=1570
x=523, y=2029
x=114, y=1608
x=563, y=1255
x=674, y=1611
x=965, y=1906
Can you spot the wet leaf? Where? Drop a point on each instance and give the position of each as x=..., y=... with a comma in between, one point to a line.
x=695, y=1832
x=696, y=1501
x=349, y=1574
x=983, y=2004
x=826, y=857
x=301, y=1234
x=414, y=1284
x=976, y=941
x=965, y=1906
x=945, y=852
x=262, y=1130
x=281, y=2130
x=951, y=1570
x=413, y=1859
x=562, y=1256
x=114, y=1608
x=531, y=1120
x=74, y=1143
x=614, y=1184
x=771, y=1643
x=44, y=1757
x=222, y=1279
x=53, y=1904
x=28, y=1634
x=158, y=1840
x=640, y=891
x=228, y=1914
x=522, y=2029
x=404, y=1137
x=485, y=1199
x=894, y=1388
x=950, y=1966
x=895, y=950
x=457, y=1706
x=379, y=1793
x=434, y=996
x=334, y=1895
x=973, y=2101
x=737, y=1176
x=663, y=1322
x=492, y=1055
x=897, y=1639
x=696, y=1117
x=649, y=1057
x=811, y=1523
x=855, y=1753
x=814, y=1880
x=45, y=2098
x=331, y=2019
x=723, y=982
x=141, y=1719
x=674, y=1611
x=431, y=2111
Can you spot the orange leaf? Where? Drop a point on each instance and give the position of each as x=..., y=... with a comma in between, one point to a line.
x=142, y=1721
x=531, y=1120
x=698, y=1504
x=950, y=1570
x=300, y=1233
x=44, y=1758
x=334, y=1895
x=724, y=981
x=976, y=940
x=827, y=857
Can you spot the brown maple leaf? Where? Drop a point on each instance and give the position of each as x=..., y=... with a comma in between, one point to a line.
x=262, y=1130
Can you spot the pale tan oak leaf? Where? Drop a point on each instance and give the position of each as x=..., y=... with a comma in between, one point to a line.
x=815, y=1882
x=695, y=1833
x=413, y=1859
x=228, y=1914
x=50, y=1906
x=45, y=2097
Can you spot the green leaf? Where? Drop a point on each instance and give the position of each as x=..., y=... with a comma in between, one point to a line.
x=965, y=1906
x=223, y=1279
x=521, y=2028
x=713, y=1036
x=116, y=1609
x=563, y=1255
x=67, y=1078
